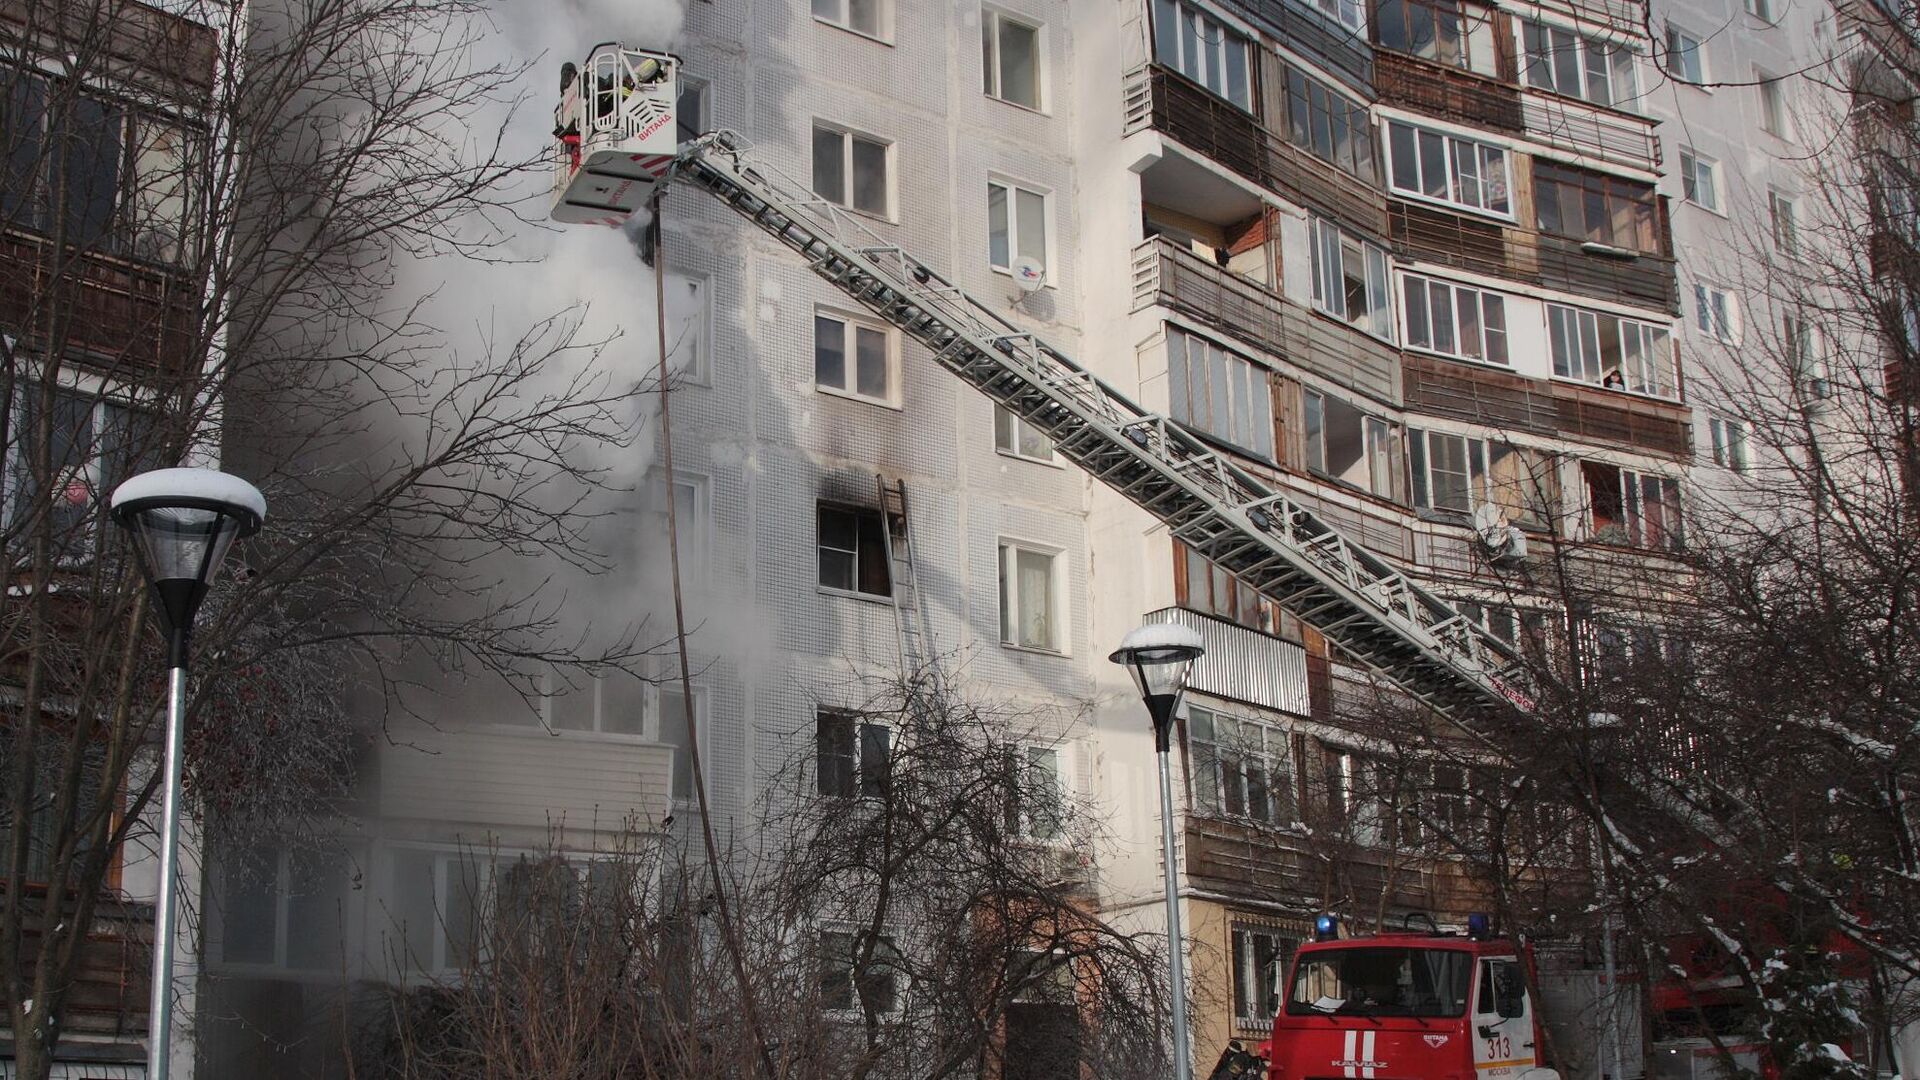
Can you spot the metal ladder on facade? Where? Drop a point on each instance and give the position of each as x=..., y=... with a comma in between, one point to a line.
x=912, y=626
x=1361, y=603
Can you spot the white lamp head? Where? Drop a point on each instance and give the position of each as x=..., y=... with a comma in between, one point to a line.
x=183, y=521
x=1159, y=656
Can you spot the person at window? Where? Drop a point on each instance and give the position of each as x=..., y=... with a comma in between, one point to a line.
x=1614, y=381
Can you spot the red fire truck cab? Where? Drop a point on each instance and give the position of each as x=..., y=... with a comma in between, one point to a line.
x=1407, y=1007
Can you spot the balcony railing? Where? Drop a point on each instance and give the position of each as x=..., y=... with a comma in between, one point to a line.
x=1510, y=402
x=1242, y=664
x=1168, y=275
x=1592, y=131
x=1166, y=101
x=1303, y=28
x=1439, y=90
x=122, y=315
x=1488, y=247
x=108, y=995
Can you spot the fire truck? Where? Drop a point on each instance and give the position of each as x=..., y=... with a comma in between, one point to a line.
x=1407, y=1006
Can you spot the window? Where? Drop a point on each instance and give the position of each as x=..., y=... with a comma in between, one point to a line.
x=853, y=550
x=674, y=725
x=1010, y=55
x=689, y=321
x=1581, y=67
x=1806, y=363
x=1349, y=13
x=1329, y=125
x=1348, y=445
x=1699, y=179
x=1684, y=60
x=1636, y=509
x=1202, y=586
x=853, y=356
x=1012, y=435
x=1035, y=797
x=284, y=908
x=852, y=170
x=848, y=984
x=1760, y=9
x=1030, y=598
x=613, y=704
x=92, y=444
x=1713, y=312
x=1455, y=320
x=1729, y=443
x=1240, y=768
x=436, y=906
x=860, y=16
x=1447, y=168
x=690, y=109
x=1773, y=105
x=1423, y=28
x=1204, y=49
x=689, y=496
x=1350, y=279
x=1610, y=351
x=1219, y=393
x=1783, y=215
x=1260, y=959
x=1595, y=208
x=1387, y=981
x=65, y=152
x=1016, y=224
x=1456, y=474
x=853, y=756
x=162, y=158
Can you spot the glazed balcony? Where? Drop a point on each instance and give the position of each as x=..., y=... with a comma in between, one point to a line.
x=1440, y=238
x=1595, y=132
x=1170, y=276
x=1163, y=100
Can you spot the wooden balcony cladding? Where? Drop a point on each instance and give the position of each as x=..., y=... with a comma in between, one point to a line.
x=1599, y=135
x=1440, y=238
x=174, y=55
x=1160, y=98
x=1274, y=864
x=1170, y=276
x=109, y=992
x=124, y=317
x=1447, y=92
x=1509, y=402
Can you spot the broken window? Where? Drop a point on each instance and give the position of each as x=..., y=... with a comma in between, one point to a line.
x=1350, y=279
x=1202, y=586
x=1456, y=474
x=1632, y=508
x=853, y=551
x=1348, y=445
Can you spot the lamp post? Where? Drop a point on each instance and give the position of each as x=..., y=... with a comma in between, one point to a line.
x=182, y=521
x=1159, y=655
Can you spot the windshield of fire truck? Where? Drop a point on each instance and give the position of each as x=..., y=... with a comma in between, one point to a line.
x=1381, y=982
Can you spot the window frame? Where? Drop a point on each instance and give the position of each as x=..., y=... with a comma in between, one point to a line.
x=647, y=730
x=1775, y=118
x=1273, y=757
x=857, y=512
x=1720, y=322
x=1583, y=332
x=1633, y=522
x=1546, y=60
x=1638, y=200
x=1217, y=357
x=1681, y=57
x=1451, y=143
x=1246, y=970
x=1021, y=819
x=1331, y=245
x=1222, y=587
x=1186, y=12
x=1540, y=500
x=1489, y=335
x=859, y=770
x=992, y=72
x=1783, y=218
x=883, y=19
x=1376, y=435
x=856, y=1010
x=109, y=409
x=284, y=857
x=1058, y=614
x=1692, y=162
x=1728, y=439
x=849, y=183
x=849, y=346
x=1760, y=9
x=1013, y=189
x=1305, y=100
x=699, y=372
x=1012, y=426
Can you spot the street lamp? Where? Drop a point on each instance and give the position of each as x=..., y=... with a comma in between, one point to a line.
x=182, y=521
x=1159, y=655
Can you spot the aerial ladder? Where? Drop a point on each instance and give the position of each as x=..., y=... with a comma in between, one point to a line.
x=616, y=139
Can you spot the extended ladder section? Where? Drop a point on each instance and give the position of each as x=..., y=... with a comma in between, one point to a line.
x=1372, y=611
x=913, y=631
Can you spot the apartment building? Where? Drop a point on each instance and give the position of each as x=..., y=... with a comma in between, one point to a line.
x=101, y=121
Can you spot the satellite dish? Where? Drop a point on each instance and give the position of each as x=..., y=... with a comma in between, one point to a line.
x=1029, y=273
x=1491, y=524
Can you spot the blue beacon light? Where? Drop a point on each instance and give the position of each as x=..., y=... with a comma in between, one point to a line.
x=1326, y=928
